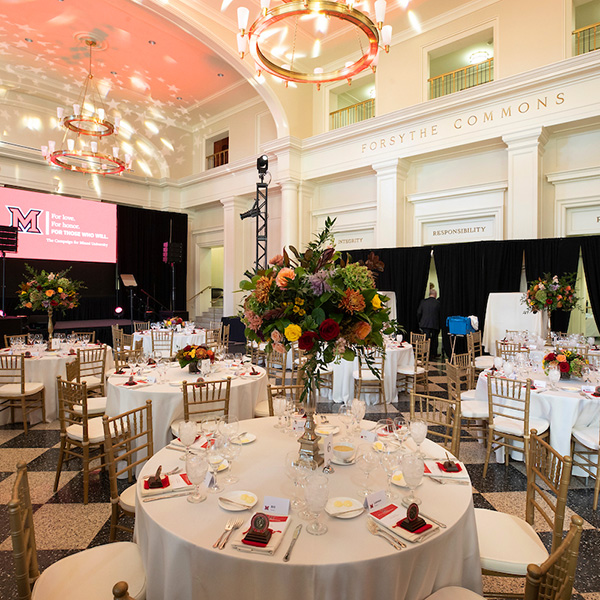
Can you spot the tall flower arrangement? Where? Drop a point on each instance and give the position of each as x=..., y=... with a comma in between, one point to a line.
x=329, y=306
x=551, y=292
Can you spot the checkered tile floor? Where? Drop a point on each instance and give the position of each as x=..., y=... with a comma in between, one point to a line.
x=64, y=525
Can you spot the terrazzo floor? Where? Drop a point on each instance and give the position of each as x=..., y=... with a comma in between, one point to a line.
x=63, y=525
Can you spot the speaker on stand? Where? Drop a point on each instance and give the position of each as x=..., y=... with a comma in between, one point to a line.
x=172, y=253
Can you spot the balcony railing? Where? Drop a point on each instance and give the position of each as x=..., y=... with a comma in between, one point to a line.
x=587, y=39
x=352, y=114
x=461, y=79
x=217, y=159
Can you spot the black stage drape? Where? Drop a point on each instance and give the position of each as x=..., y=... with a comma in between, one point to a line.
x=590, y=250
x=141, y=234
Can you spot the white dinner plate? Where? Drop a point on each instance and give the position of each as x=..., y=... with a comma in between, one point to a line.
x=398, y=479
x=336, y=507
x=336, y=461
x=247, y=498
x=244, y=439
x=325, y=430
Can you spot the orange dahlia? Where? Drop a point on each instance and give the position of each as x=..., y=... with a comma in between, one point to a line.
x=352, y=301
x=261, y=292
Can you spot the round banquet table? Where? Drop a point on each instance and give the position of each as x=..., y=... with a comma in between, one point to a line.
x=46, y=368
x=167, y=397
x=180, y=340
x=396, y=355
x=176, y=538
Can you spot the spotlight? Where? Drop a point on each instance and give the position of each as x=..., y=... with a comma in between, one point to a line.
x=262, y=164
x=2, y=314
x=118, y=312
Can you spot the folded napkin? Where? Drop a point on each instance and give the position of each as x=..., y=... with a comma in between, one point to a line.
x=199, y=443
x=171, y=484
x=434, y=468
x=278, y=526
x=136, y=383
x=390, y=517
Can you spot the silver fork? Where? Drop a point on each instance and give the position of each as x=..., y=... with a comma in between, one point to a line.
x=227, y=529
x=374, y=529
x=236, y=525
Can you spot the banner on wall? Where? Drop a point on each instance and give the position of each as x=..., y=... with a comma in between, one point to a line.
x=60, y=228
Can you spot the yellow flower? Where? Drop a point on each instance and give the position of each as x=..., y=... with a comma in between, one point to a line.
x=376, y=302
x=293, y=332
x=295, y=309
x=301, y=312
x=60, y=290
x=299, y=301
x=193, y=353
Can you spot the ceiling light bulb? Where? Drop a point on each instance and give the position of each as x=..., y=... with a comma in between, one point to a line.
x=117, y=122
x=479, y=56
x=375, y=62
x=243, y=14
x=94, y=146
x=76, y=109
x=264, y=4
x=70, y=145
x=386, y=37
x=44, y=151
x=60, y=112
x=101, y=114
x=242, y=44
x=318, y=70
x=115, y=151
x=51, y=146
x=380, y=6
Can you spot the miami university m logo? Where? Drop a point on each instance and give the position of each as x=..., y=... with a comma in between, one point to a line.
x=28, y=223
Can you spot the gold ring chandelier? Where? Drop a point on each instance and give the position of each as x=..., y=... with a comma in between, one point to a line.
x=248, y=39
x=88, y=119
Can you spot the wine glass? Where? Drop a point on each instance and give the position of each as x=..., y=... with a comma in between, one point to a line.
x=390, y=463
x=210, y=426
x=413, y=468
x=196, y=468
x=553, y=375
x=316, y=493
x=229, y=426
x=346, y=416
x=400, y=429
x=366, y=460
x=279, y=403
x=231, y=451
x=187, y=434
x=295, y=472
x=215, y=458
x=418, y=432
x=287, y=416
x=385, y=434
x=359, y=409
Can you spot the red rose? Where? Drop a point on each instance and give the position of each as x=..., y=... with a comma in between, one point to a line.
x=550, y=357
x=329, y=330
x=307, y=340
x=53, y=302
x=564, y=367
x=548, y=301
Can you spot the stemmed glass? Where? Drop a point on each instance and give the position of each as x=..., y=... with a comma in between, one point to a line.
x=413, y=468
x=229, y=426
x=231, y=451
x=346, y=416
x=295, y=473
x=287, y=416
x=316, y=493
x=188, y=432
x=215, y=458
x=400, y=430
x=385, y=430
x=196, y=468
x=279, y=403
x=210, y=426
x=359, y=409
x=390, y=462
x=418, y=432
x=553, y=376
x=366, y=461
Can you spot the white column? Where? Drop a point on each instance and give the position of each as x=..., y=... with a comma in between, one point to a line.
x=289, y=213
x=524, y=196
x=233, y=252
x=391, y=202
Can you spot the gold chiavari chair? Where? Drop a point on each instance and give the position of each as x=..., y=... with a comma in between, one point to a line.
x=80, y=436
x=122, y=356
x=417, y=337
x=121, y=591
x=474, y=348
x=509, y=420
x=162, y=341
x=16, y=393
x=507, y=544
x=141, y=326
x=81, y=334
x=585, y=450
x=92, y=368
x=256, y=352
x=474, y=413
x=583, y=350
x=224, y=341
x=21, y=339
x=128, y=444
x=594, y=360
x=419, y=372
x=202, y=399
x=465, y=364
x=88, y=573
x=277, y=367
x=96, y=405
x=368, y=382
x=442, y=415
x=299, y=359
x=265, y=408
x=510, y=350
x=213, y=337
x=72, y=370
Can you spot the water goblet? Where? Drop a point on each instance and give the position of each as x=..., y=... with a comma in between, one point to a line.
x=287, y=416
x=316, y=493
x=553, y=375
x=215, y=458
x=413, y=468
x=498, y=362
x=359, y=409
x=279, y=403
x=366, y=461
x=390, y=463
x=400, y=429
x=385, y=434
x=188, y=432
x=231, y=451
x=418, y=432
x=346, y=416
x=228, y=358
x=210, y=426
x=229, y=426
x=196, y=468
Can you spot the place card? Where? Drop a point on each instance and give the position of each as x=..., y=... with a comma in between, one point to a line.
x=276, y=506
x=590, y=389
x=375, y=500
x=328, y=449
x=538, y=383
x=368, y=436
x=298, y=425
x=209, y=479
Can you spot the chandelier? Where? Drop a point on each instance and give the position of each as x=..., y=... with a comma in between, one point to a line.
x=249, y=39
x=78, y=153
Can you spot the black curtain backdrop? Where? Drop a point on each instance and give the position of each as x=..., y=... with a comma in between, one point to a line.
x=405, y=273
x=140, y=237
x=555, y=256
x=590, y=250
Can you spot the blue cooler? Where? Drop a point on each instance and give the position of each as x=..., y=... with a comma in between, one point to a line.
x=459, y=325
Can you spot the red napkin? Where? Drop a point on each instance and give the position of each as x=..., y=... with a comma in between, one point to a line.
x=164, y=480
x=442, y=468
x=272, y=519
x=420, y=530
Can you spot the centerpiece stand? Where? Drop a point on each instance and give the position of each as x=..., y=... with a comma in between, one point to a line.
x=309, y=441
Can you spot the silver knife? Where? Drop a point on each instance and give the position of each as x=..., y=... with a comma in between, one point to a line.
x=294, y=538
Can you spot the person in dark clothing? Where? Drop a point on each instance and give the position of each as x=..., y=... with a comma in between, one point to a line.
x=428, y=314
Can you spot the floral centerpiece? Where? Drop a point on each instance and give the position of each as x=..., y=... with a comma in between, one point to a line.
x=191, y=355
x=329, y=306
x=172, y=322
x=49, y=291
x=568, y=362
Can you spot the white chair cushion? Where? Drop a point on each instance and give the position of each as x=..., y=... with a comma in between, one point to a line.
x=406, y=370
x=507, y=544
x=484, y=362
x=91, y=381
x=96, y=405
x=127, y=499
x=468, y=395
x=10, y=390
x=454, y=593
x=93, y=573
x=506, y=425
x=588, y=436
x=366, y=375
x=474, y=409
x=95, y=431
x=262, y=409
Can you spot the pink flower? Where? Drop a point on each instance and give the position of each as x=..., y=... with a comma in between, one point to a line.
x=277, y=260
x=279, y=347
x=276, y=336
x=253, y=320
x=284, y=277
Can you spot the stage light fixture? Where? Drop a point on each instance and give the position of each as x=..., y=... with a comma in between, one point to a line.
x=119, y=312
x=262, y=164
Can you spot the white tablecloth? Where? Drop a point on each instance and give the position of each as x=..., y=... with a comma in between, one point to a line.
x=180, y=340
x=45, y=370
x=506, y=311
x=343, y=375
x=347, y=562
x=167, y=398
